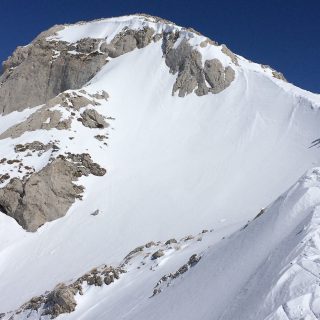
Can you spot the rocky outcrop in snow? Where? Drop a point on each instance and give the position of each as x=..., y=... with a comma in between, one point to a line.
x=92, y=119
x=168, y=279
x=46, y=67
x=48, y=194
x=61, y=299
x=128, y=40
x=43, y=118
x=64, y=298
x=43, y=69
x=186, y=62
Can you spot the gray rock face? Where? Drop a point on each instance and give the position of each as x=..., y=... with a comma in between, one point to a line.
x=43, y=69
x=186, y=62
x=40, y=71
x=48, y=194
x=229, y=53
x=128, y=40
x=276, y=74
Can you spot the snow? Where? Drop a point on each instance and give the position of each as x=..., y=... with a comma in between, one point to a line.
x=109, y=28
x=176, y=166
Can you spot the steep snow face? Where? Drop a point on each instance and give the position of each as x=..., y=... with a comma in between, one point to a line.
x=174, y=166
x=268, y=270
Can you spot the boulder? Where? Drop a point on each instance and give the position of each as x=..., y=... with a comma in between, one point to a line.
x=92, y=119
x=170, y=241
x=157, y=254
x=36, y=73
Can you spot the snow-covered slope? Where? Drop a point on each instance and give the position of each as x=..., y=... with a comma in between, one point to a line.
x=175, y=166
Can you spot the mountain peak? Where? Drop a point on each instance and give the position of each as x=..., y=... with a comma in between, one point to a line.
x=121, y=140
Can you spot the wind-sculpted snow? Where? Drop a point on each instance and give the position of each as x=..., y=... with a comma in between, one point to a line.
x=161, y=166
x=267, y=270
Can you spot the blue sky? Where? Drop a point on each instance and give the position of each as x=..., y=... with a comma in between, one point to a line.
x=283, y=34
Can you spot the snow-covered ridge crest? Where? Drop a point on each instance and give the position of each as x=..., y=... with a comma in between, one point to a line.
x=211, y=67
x=53, y=59
x=109, y=27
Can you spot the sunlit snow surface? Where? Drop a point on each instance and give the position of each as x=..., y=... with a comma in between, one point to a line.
x=176, y=166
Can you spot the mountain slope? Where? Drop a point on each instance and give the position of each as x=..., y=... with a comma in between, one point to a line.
x=270, y=269
x=184, y=150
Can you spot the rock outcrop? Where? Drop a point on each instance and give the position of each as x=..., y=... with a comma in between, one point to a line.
x=48, y=194
x=171, y=241
x=217, y=76
x=167, y=279
x=276, y=74
x=35, y=146
x=46, y=67
x=92, y=119
x=43, y=118
x=157, y=254
x=62, y=300
x=128, y=40
x=186, y=62
x=43, y=69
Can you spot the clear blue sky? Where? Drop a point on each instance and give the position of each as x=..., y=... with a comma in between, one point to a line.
x=282, y=33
